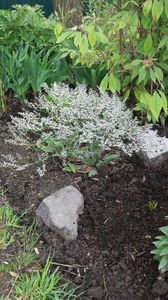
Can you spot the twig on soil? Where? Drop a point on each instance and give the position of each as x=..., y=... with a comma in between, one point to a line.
x=107, y=294
x=69, y=266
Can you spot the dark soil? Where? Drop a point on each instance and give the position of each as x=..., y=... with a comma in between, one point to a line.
x=111, y=258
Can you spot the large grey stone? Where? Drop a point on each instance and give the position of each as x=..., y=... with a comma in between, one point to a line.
x=60, y=211
x=155, y=147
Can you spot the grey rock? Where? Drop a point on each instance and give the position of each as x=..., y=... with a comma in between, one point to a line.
x=60, y=211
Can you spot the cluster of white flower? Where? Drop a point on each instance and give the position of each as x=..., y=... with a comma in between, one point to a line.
x=70, y=111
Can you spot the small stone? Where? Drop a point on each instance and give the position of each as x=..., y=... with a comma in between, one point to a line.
x=95, y=292
x=60, y=211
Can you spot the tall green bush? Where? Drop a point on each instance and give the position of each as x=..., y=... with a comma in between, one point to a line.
x=132, y=45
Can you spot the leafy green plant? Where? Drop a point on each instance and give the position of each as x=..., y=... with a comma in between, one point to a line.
x=161, y=251
x=30, y=27
x=132, y=45
x=152, y=205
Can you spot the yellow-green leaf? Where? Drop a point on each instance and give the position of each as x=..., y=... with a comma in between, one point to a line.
x=157, y=9
x=92, y=37
x=58, y=29
x=159, y=73
x=104, y=83
x=164, y=101
x=147, y=7
x=112, y=83
x=152, y=75
x=148, y=43
x=156, y=105
x=77, y=39
x=127, y=94
x=83, y=45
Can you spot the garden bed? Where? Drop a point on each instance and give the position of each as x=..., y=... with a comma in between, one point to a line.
x=111, y=258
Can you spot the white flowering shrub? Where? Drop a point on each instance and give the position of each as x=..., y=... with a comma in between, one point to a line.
x=67, y=118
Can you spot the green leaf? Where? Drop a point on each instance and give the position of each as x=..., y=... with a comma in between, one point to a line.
x=164, y=251
x=156, y=105
x=152, y=75
x=157, y=9
x=164, y=101
x=92, y=37
x=163, y=262
x=164, y=229
x=104, y=83
x=159, y=73
x=166, y=8
x=58, y=29
x=163, y=41
x=77, y=39
x=92, y=173
x=142, y=74
x=147, y=7
x=136, y=62
x=112, y=83
x=83, y=45
x=134, y=23
x=148, y=43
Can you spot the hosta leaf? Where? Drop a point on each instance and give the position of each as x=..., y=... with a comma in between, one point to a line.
x=147, y=7
x=148, y=43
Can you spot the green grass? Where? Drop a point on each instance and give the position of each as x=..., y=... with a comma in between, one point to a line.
x=28, y=280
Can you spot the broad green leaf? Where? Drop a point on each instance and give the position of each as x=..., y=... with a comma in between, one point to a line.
x=126, y=80
x=77, y=39
x=164, y=229
x=147, y=7
x=164, y=101
x=92, y=37
x=159, y=73
x=118, y=85
x=145, y=98
x=157, y=9
x=135, y=74
x=136, y=62
x=83, y=45
x=134, y=23
x=156, y=105
x=112, y=83
x=163, y=262
x=145, y=21
x=104, y=83
x=152, y=75
x=164, y=251
x=148, y=43
x=142, y=74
